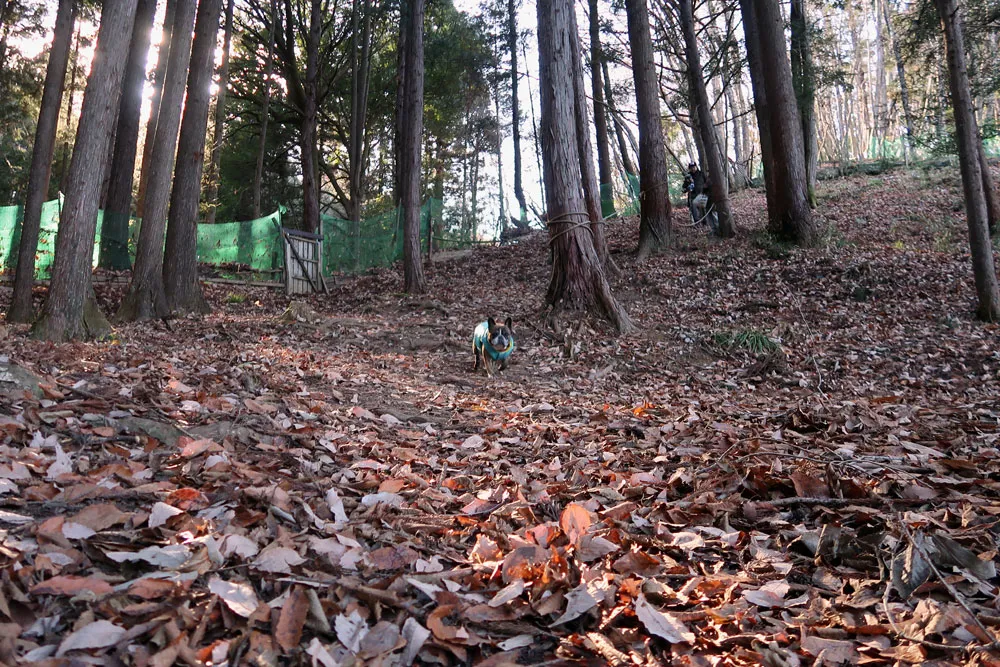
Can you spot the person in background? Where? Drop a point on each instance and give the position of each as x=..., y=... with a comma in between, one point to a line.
x=696, y=185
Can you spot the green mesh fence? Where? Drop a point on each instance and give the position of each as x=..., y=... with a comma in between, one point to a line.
x=255, y=244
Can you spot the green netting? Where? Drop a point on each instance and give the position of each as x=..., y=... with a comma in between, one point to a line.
x=254, y=243
x=377, y=240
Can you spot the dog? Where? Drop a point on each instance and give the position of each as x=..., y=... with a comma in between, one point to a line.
x=492, y=345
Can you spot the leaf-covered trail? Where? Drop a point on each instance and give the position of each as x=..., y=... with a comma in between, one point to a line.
x=793, y=462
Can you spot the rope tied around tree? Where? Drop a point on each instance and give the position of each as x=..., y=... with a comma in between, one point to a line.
x=567, y=219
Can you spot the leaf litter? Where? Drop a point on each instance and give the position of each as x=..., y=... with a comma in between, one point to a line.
x=794, y=462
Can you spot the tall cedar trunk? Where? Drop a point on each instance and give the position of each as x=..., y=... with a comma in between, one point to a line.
x=309, y=123
x=967, y=135
x=218, y=131
x=180, y=267
x=989, y=191
x=145, y=297
x=534, y=124
x=756, y=67
x=792, y=218
x=605, y=172
x=591, y=186
x=515, y=113
x=21, y=309
x=361, y=17
x=904, y=90
x=716, y=168
x=74, y=69
x=159, y=74
x=411, y=140
x=578, y=280
x=654, y=224
x=804, y=82
x=258, y=174
x=71, y=312
x=627, y=164
x=114, y=230
x=881, y=89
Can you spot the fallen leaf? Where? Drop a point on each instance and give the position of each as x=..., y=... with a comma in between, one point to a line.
x=662, y=624
x=240, y=597
x=291, y=620
x=99, y=634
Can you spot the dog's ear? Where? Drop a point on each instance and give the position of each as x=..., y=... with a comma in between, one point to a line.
x=507, y=323
x=491, y=323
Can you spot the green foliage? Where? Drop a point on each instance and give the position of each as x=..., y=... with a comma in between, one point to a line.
x=751, y=340
x=773, y=246
x=234, y=298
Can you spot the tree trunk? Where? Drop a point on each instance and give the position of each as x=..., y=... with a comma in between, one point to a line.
x=218, y=131
x=756, y=67
x=792, y=217
x=578, y=280
x=967, y=134
x=605, y=172
x=180, y=268
x=534, y=124
x=114, y=230
x=411, y=139
x=71, y=312
x=904, y=91
x=258, y=174
x=158, y=76
x=654, y=223
x=716, y=168
x=361, y=71
x=21, y=309
x=591, y=186
x=627, y=164
x=310, y=122
x=74, y=68
x=989, y=191
x=146, y=298
x=515, y=112
x=804, y=83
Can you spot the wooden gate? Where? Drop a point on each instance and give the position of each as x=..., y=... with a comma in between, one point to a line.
x=303, y=261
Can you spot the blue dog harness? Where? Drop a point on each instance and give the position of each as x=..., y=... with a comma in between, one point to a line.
x=481, y=340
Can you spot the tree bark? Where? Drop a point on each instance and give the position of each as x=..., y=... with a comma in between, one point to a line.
x=716, y=169
x=70, y=311
x=218, y=131
x=989, y=191
x=180, y=267
x=756, y=67
x=627, y=164
x=21, y=309
x=967, y=134
x=114, y=230
x=310, y=122
x=792, y=217
x=591, y=186
x=605, y=172
x=146, y=298
x=904, y=90
x=578, y=280
x=258, y=174
x=654, y=222
x=158, y=76
x=361, y=71
x=515, y=112
x=411, y=139
x=74, y=69
x=804, y=83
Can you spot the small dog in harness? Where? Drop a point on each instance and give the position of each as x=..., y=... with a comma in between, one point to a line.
x=492, y=345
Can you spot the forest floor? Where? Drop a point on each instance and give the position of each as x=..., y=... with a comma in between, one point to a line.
x=795, y=461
